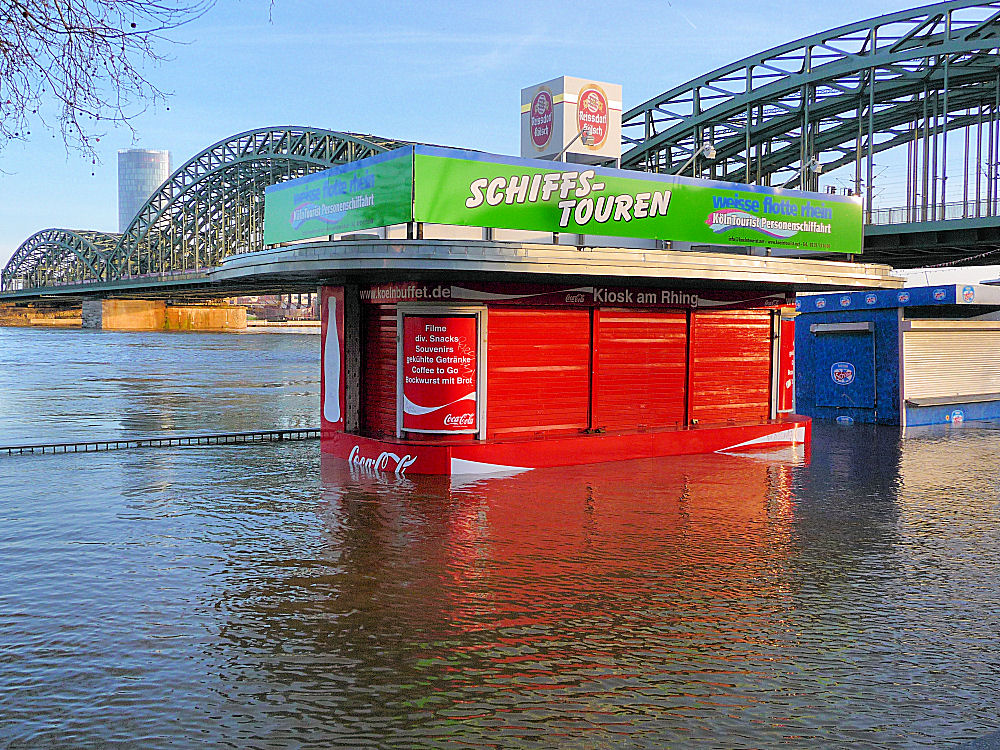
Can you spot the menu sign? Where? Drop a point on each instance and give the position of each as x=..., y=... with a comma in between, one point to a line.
x=440, y=358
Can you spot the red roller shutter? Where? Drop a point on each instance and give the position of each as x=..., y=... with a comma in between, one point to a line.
x=640, y=369
x=730, y=377
x=378, y=415
x=538, y=371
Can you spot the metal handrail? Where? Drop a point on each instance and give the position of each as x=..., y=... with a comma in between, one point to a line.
x=217, y=438
x=941, y=212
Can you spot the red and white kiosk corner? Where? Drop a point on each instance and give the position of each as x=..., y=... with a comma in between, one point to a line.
x=425, y=379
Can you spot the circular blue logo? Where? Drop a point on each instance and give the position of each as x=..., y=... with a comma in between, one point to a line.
x=903, y=297
x=968, y=293
x=820, y=303
x=956, y=417
x=842, y=373
x=845, y=301
x=939, y=294
x=871, y=299
x=798, y=304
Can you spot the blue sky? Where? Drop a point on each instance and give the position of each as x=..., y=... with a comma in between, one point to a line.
x=442, y=73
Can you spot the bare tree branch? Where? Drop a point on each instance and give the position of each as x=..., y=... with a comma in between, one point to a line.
x=87, y=58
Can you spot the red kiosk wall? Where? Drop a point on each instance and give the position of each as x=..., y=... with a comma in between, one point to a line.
x=552, y=370
x=332, y=382
x=538, y=370
x=730, y=370
x=640, y=368
x=378, y=396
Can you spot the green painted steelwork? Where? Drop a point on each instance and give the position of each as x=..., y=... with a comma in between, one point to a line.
x=213, y=206
x=210, y=208
x=836, y=98
x=57, y=257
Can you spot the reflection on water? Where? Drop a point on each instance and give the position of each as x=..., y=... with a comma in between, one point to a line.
x=263, y=596
x=60, y=386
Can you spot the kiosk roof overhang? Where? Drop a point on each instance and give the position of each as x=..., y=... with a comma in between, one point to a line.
x=375, y=261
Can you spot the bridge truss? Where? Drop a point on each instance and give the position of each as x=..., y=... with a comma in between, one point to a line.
x=210, y=208
x=836, y=99
x=55, y=257
x=925, y=81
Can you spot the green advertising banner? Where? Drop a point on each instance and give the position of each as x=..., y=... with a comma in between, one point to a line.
x=473, y=189
x=468, y=188
x=373, y=192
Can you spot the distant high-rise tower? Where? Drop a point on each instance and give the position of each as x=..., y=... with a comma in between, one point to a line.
x=140, y=172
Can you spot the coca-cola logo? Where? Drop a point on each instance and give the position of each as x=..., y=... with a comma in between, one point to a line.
x=383, y=462
x=592, y=115
x=540, y=119
x=460, y=420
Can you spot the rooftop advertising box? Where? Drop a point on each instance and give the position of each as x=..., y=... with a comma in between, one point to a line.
x=554, y=112
x=468, y=188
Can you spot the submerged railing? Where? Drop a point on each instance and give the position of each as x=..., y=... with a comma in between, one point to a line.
x=219, y=438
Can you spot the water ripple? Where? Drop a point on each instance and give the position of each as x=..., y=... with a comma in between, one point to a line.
x=264, y=596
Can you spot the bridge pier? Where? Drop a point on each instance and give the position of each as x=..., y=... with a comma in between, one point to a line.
x=157, y=315
x=49, y=316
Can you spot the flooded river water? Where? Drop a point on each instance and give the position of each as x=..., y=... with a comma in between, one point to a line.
x=263, y=596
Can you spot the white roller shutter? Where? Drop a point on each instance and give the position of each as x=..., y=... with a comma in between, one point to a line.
x=949, y=358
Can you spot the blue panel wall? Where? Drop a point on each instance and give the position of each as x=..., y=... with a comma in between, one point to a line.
x=957, y=414
x=849, y=359
x=816, y=355
x=921, y=296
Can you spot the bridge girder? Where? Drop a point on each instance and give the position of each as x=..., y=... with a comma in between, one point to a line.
x=212, y=206
x=845, y=95
x=771, y=114
x=55, y=257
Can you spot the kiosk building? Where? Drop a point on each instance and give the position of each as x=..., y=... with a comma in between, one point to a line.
x=490, y=314
x=911, y=357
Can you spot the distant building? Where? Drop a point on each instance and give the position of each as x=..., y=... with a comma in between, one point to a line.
x=140, y=172
x=278, y=307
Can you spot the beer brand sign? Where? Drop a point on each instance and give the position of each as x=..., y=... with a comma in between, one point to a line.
x=541, y=119
x=553, y=113
x=592, y=115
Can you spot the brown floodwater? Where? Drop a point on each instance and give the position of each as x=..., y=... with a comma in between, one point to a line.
x=264, y=596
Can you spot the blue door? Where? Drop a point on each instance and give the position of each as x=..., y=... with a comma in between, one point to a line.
x=845, y=377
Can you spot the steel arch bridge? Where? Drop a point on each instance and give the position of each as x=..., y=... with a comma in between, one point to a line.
x=210, y=208
x=836, y=99
x=54, y=257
